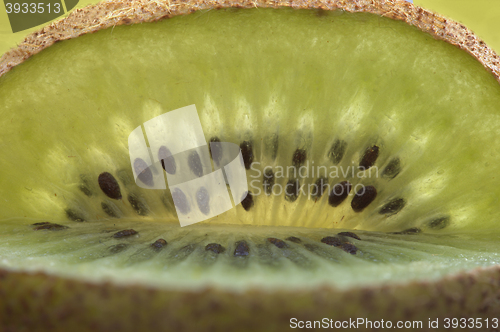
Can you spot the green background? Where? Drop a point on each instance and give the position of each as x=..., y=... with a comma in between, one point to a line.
x=482, y=16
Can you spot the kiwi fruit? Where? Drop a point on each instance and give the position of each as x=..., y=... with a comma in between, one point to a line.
x=367, y=129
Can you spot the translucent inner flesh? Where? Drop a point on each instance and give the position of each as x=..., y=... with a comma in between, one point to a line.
x=185, y=263
x=298, y=86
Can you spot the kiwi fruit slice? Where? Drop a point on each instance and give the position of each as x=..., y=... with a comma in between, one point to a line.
x=367, y=131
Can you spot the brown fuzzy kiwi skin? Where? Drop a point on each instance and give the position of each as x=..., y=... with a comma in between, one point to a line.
x=40, y=302
x=112, y=13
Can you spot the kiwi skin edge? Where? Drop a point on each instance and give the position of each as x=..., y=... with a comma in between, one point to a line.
x=112, y=13
x=46, y=303
x=38, y=302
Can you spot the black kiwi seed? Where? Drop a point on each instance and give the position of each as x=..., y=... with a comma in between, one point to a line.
x=277, y=242
x=181, y=254
x=242, y=249
x=369, y=157
x=84, y=189
x=393, y=206
x=247, y=201
x=194, y=163
x=167, y=160
x=363, y=198
x=339, y=193
x=180, y=201
x=216, y=248
x=332, y=241
x=108, y=210
x=178, y=255
x=392, y=169
x=337, y=151
x=85, y=186
x=124, y=233
x=299, y=157
x=144, y=172
x=117, y=248
x=247, y=153
x=109, y=185
x=215, y=150
x=292, y=190
x=48, y=226
x=203, y=200
x=137, y=205
x=268, y=181
x=349, y=234
x=73, y=215
x=340, y=241
x=319, y=188
x=310, y=247
x=439, y=223
x=293, y=239
x=271, y=145
x=159, y=244
x=349, y=248
x=409, y=231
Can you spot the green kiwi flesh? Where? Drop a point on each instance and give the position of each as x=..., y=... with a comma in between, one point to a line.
x=237, y=258
x=336, y=88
